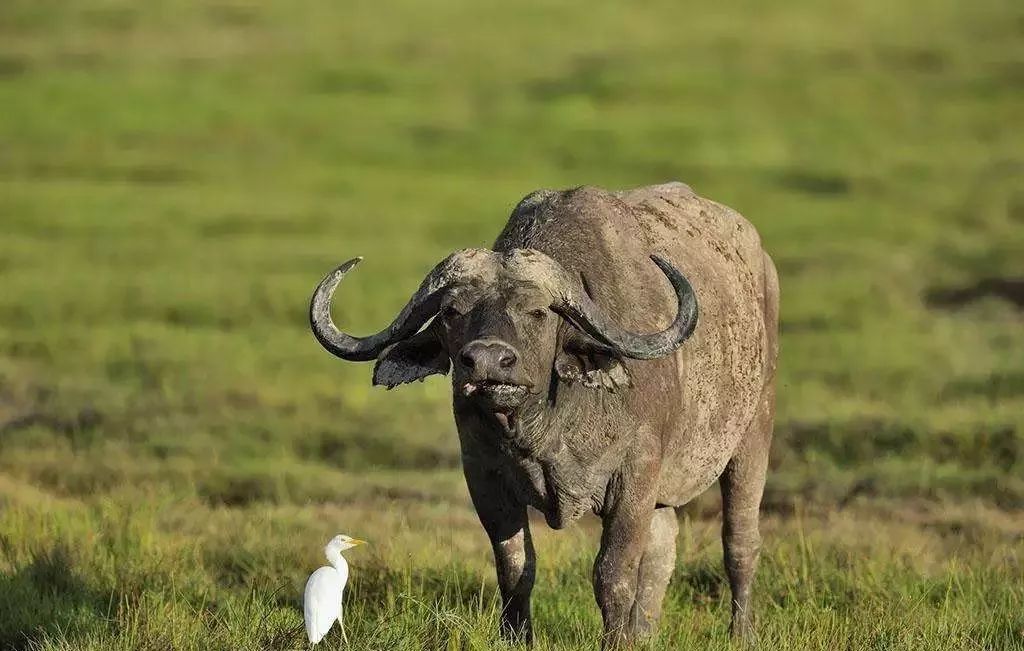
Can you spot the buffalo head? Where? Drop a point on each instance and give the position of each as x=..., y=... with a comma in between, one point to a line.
x=506, y=321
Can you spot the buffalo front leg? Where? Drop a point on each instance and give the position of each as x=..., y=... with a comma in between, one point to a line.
x=508, y=529
x=656, y=567
x=627, y=525
x=742, y=485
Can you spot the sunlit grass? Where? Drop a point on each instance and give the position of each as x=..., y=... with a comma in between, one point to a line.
x=146, y=572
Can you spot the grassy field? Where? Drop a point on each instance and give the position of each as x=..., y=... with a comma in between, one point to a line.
x=176, y=176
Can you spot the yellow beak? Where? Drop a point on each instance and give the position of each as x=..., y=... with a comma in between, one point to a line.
x=356, y=541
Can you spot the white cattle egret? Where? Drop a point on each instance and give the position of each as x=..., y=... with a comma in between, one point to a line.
x=322, y=602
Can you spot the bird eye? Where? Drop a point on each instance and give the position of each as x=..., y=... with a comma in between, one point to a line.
x=539, y=313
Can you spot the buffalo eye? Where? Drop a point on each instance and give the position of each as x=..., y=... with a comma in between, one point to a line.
x=449, y=313
x=539, y=314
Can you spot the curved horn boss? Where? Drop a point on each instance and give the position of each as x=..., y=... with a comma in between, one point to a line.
x=571, y=302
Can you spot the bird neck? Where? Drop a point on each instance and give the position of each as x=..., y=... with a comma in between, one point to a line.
x=336, y=560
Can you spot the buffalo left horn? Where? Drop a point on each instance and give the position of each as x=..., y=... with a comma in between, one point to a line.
x=578, y=308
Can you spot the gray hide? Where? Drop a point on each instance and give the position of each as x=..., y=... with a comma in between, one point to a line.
x=584, y=380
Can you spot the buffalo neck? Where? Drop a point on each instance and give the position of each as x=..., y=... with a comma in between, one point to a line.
x=570, y=419
x=561, y=445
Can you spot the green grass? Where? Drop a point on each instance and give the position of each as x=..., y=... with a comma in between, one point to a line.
x=155, y=572
x=176, y=176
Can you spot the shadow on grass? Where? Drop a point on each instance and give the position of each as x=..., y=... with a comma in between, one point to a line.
x=700, y=583
x=45, y=597
x=1010, y=290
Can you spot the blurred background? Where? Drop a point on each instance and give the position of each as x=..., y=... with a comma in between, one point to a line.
x=176, y=176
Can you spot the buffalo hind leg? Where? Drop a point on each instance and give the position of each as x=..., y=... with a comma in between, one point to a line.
x=742, y=485
x=656, y=567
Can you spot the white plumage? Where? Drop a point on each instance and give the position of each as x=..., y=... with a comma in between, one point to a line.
x=324, y=589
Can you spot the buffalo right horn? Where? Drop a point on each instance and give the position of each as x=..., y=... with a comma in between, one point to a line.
x=423, y=305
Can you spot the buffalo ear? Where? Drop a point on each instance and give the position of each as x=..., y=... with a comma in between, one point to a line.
x=411, y=359
x=592, y=365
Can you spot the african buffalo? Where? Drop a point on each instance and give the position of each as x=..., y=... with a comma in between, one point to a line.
x=561, y=405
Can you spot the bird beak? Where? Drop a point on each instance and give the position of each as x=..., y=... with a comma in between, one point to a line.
x=356, y=542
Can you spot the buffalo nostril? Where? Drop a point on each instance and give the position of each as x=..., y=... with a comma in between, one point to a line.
x=507, y=359
x=467, y=360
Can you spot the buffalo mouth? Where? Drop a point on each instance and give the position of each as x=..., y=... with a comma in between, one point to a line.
x=497, y=396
